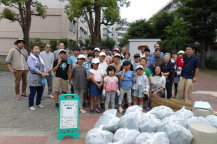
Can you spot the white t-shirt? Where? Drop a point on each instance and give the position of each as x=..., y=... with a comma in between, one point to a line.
x=96, y=74
x=103, y=67
x=157, y=82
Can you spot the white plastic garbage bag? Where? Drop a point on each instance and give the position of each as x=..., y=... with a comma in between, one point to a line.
x=175, y=120
x=125, y=136
x=152, y=138
x=212, y=119
x=98, y=136
x=105, y=118
x=177, y=134
x=134, y=108
x=149, y=123
x=161, y=112
x=184, y=114
x=197, y=120
x=130, y=120
x=112, y=126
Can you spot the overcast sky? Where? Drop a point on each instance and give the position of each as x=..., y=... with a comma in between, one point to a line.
x=142, y=9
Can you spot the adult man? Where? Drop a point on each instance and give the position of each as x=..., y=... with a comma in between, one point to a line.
x=123, y=51
x=16, y=62
x=48, y=58
x=157, y=58
x=189, y=75
x=157, y=46
x=142, y=50
x=56, y=52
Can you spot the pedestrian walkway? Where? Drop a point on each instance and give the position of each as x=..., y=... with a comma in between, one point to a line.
x=18, y=125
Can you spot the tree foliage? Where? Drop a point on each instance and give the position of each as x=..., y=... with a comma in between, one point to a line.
x=177, y=36
x=96, y=12
x=21, y=11
x=201, y=19
x=108, y=43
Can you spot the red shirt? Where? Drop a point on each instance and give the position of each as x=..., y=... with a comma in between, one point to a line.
x=180, y=62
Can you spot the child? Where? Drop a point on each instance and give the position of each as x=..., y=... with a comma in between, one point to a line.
x=61, y=68
x=126, y=57
x=79, y=78
x=87, y=64
x=95, y=85
x=126, y=83
x=136, y=61
x=178, y=69
x=140, y=86
x=110, y=87
x=143, y=62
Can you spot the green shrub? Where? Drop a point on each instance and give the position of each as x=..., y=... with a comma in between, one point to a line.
x=211, y=63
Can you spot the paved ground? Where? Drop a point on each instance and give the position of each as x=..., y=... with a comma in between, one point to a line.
x=18, y=125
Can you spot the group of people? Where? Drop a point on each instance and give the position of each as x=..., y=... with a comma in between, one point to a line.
x=109, y=76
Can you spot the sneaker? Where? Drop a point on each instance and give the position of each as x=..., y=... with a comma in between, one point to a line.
x=24, y=95
x=147, y=108
x=40, y=106
x=50, y=96
x=83, y=111
x=18, y=97
x=91, y=111
x=98, y=110
x=32, y=108
x=120, y=110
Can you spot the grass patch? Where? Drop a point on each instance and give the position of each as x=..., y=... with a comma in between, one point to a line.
x=209, y=72
x=3, y=67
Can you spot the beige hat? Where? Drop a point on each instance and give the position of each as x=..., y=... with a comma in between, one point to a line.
x=102, y=54
x=181, y=52
x=19, y=40
x=143, y=45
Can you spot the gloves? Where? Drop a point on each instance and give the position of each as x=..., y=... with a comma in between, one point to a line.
x=118, y=92
x=146, y=92
x=103, y=93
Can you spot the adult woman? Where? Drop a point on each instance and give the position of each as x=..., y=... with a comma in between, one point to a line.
x=35, y=77
x=167, y=68
x=157, y=83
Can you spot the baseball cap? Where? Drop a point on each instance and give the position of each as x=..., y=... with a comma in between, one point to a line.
x=83, y=48
x=102, y=54
x=62, y=51
x=139, y=67
x=95, y=61
x=181, y=52
x=116, y=49
x=117, y=55
x=81, y=56
x=97, y=49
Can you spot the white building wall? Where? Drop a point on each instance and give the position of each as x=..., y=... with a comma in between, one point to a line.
x=55, y=26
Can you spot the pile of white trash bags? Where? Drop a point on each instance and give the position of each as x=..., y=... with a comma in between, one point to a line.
x=161, y=125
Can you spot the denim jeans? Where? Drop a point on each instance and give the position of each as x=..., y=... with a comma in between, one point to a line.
x=50, y=84
x=33, y=90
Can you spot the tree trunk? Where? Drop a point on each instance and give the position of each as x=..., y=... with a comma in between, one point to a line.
x=97, y=31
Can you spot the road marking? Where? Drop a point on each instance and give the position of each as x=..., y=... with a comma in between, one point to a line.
x=214, y=93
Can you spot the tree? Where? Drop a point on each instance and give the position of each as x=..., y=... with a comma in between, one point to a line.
x=108, y=43
x=176, y=36
x=138, y=29
x=22, y=11
x=159, y=22
x=96, y=12
x=201, y=19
